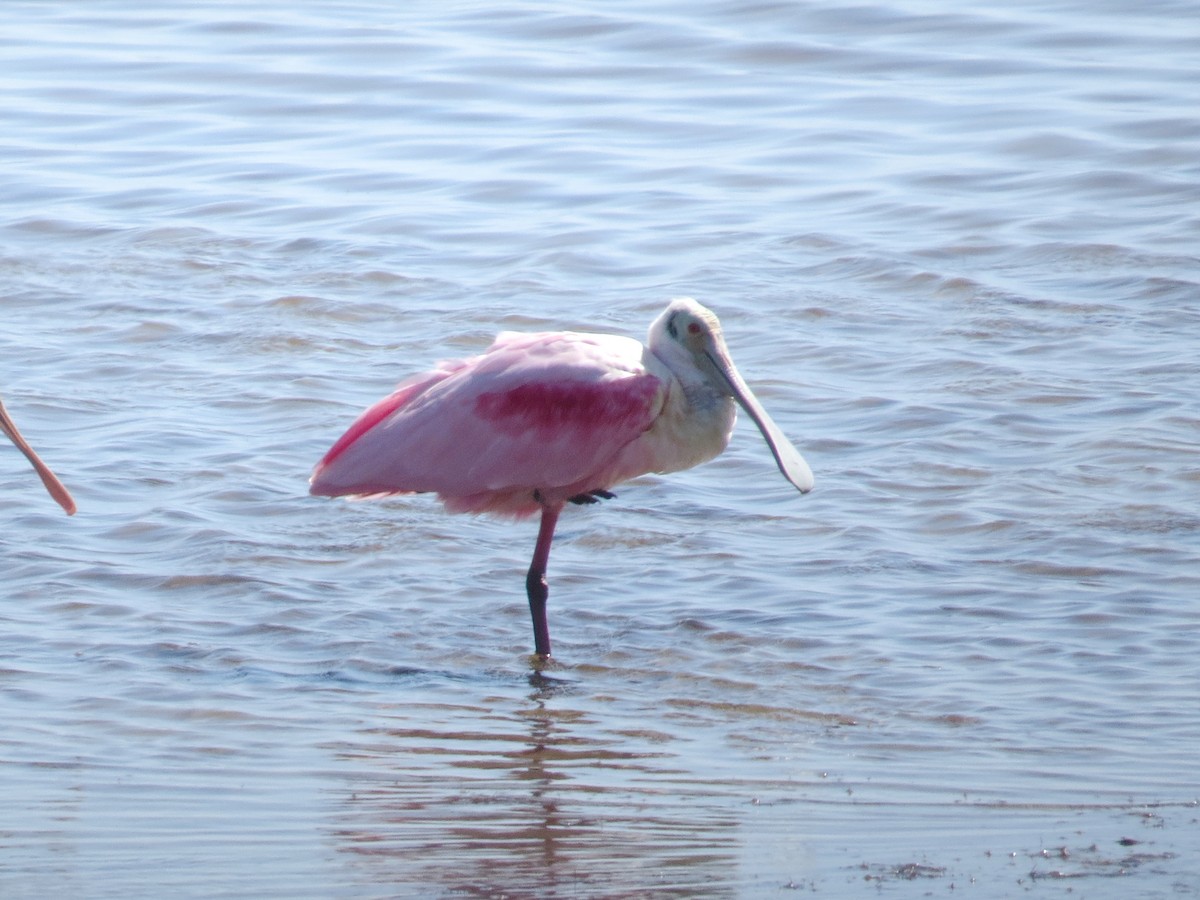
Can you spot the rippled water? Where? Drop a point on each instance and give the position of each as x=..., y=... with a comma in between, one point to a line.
x=954, y=250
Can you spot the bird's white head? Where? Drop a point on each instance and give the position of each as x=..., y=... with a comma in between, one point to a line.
x=687, y=338
x=687, y=324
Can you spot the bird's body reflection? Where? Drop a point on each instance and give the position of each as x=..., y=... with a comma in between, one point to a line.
x=548, y=803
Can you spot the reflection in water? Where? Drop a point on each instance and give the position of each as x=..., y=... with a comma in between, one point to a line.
x=546, y=805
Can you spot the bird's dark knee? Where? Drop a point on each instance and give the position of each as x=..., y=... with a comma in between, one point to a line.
x=536, y=587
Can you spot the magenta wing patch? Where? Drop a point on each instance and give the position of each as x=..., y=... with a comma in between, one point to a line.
x=579, y=406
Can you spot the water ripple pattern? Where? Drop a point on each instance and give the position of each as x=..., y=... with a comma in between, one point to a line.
x=954, y=249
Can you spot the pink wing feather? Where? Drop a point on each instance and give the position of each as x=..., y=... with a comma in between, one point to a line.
x=536, y=412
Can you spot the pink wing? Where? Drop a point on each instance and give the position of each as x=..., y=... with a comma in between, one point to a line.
x=536, y=412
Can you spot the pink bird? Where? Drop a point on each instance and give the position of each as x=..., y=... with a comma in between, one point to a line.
x=540, y=420
x=49, y=479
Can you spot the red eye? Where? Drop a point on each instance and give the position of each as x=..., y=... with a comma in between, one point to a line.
x=693, y=328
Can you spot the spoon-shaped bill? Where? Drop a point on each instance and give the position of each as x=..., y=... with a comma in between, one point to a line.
x=56, y=488
x=787, y=457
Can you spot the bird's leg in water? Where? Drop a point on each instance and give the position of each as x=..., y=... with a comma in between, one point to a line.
x=535, y=581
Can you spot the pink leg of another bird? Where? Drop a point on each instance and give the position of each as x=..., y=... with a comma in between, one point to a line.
x=535, y=581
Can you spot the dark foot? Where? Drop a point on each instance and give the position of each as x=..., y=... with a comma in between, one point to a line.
x=592, y=497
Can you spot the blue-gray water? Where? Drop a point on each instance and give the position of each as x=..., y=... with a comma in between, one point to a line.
x=954, y=248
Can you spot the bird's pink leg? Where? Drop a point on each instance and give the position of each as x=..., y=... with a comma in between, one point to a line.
x=56, y=488
x=535, y=581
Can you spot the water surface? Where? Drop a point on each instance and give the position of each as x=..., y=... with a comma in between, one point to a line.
x=954, y=251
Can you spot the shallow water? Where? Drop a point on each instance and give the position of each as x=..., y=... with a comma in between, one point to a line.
x=954, y=252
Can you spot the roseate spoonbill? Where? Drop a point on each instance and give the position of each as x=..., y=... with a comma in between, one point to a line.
x=540, y=420
x=49, y=479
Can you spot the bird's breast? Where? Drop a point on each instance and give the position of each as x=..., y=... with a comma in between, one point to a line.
x=693, y=427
